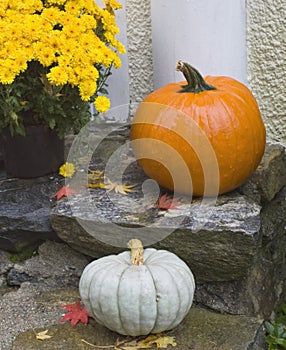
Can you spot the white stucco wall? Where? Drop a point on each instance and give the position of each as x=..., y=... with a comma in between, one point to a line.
x=266, y=39
x=210, y=35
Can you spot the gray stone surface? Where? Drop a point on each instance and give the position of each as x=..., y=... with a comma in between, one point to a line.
x=223, y=250
x=5, y=266
x=55, y=265
x=24, y=211
x=269, y=177
x=200, y=330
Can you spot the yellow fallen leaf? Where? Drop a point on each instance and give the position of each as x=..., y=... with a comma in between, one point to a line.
x=43, y=335
x=95, y=175
x=133, y=344
x=159, y=340
x=119, y=188
x=96, y=185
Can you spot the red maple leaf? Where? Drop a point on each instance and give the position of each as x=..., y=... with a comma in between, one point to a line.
x=75, y=313
x=65, y=191
x=166, y=202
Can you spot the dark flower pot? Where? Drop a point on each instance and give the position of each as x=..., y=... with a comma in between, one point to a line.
x=39, y=153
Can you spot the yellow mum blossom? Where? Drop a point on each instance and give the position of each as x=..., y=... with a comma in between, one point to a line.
x=57, y=76
x=51, y=15
x=67, y=169
x=7, y=76
x=102, y=104
x=87, y=89
x=44, y=54
x=113, y=3
x=56, y=2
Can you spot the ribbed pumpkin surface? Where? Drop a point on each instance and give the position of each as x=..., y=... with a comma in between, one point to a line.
x=138, y=300
x=219, y=134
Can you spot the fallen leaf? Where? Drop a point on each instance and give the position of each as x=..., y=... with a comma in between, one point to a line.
x=166, y=202
x=159, y=340
x=119, y=188
x=95, y=175
x=96, y=185
x=43, y=335
x=75, y=313
x=65, y=191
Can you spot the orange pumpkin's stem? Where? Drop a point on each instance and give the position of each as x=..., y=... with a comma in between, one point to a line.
x=196, y=82
x=136, y=251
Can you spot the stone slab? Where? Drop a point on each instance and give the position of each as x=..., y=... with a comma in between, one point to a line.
x=55, y=264
x=270, y=176
x=222, y=250
x=201, y=330
x=25, y=207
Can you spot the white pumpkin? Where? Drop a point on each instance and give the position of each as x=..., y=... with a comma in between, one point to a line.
x=145, y=292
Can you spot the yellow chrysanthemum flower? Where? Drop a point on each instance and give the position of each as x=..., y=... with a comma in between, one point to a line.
x=113, y=3
x=102, y=104
x=67, y=169
x=57, y=76
x=87, y=89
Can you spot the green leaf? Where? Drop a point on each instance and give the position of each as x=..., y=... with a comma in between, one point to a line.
x=283, y=309
x=281, y=342
x=269, y=327
x=52, y=123
x=280, y=330
x=20, y=129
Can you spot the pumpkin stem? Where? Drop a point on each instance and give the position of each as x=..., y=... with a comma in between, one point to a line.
x=136, y=251
x=196, y=82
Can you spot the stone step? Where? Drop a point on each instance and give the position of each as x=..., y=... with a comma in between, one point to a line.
x=234, y=244
x=200, y=330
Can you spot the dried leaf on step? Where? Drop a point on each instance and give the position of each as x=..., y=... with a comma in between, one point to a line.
x=132, y=344
x=95, y=175
x=119, y=187
x=166, y=202
x=96, y=185
x=43, y=335
x=160, y=341
x=76, y=313
x=65, y=191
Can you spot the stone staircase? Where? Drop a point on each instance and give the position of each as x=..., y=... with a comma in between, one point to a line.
x=234, y=245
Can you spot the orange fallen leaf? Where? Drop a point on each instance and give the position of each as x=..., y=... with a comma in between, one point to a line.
x=65, y=191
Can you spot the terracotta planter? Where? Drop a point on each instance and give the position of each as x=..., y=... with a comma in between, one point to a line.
x=38, y=153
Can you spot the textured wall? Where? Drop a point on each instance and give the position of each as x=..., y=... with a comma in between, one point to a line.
x=266, y=41
x=138, y=15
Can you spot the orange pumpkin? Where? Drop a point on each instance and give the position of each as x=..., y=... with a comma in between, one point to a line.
x=202, y=138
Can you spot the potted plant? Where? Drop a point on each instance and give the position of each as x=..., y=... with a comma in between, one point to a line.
x=55, y=57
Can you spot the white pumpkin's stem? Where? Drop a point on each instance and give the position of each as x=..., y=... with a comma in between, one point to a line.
x=136, y=251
